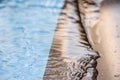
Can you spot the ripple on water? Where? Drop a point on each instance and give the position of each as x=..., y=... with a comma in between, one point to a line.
x=26, y=32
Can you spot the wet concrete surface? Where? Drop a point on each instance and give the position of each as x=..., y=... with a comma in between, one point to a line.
x=100, y=25
x=71, y=56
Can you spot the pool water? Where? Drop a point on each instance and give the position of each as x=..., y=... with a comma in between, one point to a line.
x=26, y=33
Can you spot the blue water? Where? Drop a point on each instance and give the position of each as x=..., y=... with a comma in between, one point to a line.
x=26, y=33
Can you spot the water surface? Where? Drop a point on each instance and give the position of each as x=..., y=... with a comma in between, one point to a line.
x=26, y=33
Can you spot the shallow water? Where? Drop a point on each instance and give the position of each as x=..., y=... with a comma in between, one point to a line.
x=26, y=33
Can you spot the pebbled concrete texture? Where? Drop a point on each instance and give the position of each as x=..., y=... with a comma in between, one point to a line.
x=26, y=33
